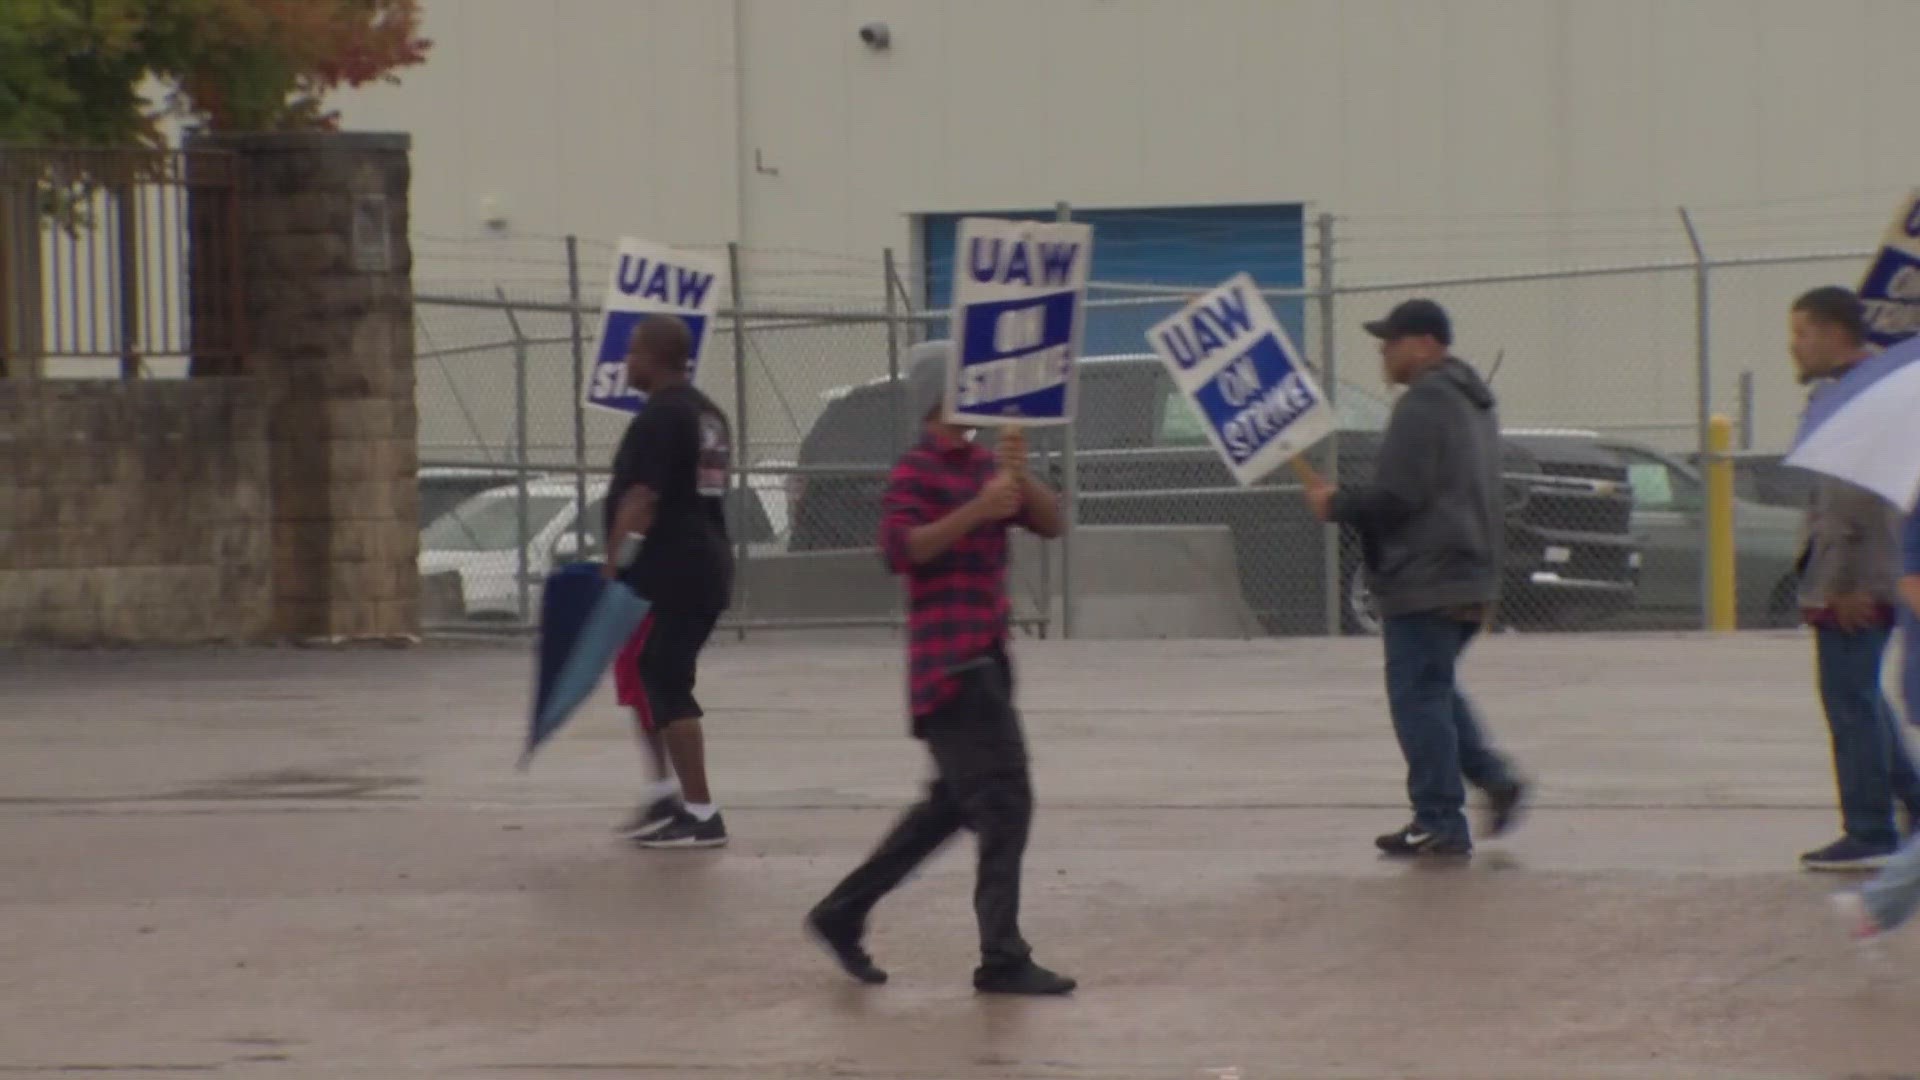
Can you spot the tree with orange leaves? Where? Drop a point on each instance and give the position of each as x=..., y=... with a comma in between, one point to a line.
x=75, y=71
x=265, y=65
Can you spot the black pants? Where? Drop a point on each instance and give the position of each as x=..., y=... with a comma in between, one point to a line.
x=980, y=784
x=669, y=662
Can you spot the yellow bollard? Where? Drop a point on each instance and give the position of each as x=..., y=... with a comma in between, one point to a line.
x=1721, y=606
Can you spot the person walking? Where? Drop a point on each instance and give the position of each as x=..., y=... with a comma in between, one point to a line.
x=669, y=486
x=1431, y=527
x=1890, y=899
x=660, y=796
x=945, y=520
x=1900, y=667
x=1848, y=574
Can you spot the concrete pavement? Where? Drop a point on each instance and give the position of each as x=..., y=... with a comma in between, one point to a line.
x=322, y=864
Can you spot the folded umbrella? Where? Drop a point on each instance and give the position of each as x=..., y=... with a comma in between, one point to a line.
x=1862, y=428
x=585, y=620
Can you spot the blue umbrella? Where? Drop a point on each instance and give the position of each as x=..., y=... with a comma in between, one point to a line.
x=1861, y=428
x=585, y=620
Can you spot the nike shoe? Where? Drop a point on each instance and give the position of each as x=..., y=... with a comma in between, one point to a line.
x=687, y=831
x=1415, y=842
x=1847, y=854
x=1504, y=805
x=649, y=818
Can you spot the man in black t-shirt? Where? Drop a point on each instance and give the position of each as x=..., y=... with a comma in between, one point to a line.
x=669, y=486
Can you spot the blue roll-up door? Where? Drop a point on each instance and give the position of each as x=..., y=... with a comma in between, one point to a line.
x=1197, y=246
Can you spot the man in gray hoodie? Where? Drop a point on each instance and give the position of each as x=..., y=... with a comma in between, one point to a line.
x=1431, y=527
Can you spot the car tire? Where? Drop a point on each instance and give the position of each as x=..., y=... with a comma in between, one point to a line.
x=1358, y=614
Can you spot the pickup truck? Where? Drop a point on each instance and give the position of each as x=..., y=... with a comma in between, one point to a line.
x=1143, y=459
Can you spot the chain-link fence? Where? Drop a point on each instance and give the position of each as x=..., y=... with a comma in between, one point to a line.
x=1607, y=375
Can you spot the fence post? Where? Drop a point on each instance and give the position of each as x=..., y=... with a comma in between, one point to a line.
x=523, y=524
x=1330, y=560
x=579, y=395
x=896, y=429
x=1071, y=477
x=897, y=286
x=743, y=458
x=1746, y=410
x=128, y=237
x=1703, y=402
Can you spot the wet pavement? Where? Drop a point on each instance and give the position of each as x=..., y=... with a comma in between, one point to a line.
x=295, y=864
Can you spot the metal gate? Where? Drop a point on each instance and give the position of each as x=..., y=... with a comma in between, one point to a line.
x=119, y=263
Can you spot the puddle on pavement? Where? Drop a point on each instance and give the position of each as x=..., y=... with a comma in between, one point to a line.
x=283, y=785
x=303, y=784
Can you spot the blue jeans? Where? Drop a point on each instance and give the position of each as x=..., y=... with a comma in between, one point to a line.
x=1894, y=893
x=1439, y=734
x=1870, y=761
x=1910, y=664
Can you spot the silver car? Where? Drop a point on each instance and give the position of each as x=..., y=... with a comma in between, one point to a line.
x=1669, y=512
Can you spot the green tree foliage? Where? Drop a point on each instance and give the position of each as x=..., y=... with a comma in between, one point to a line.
x=77, y=72
x=71, y=71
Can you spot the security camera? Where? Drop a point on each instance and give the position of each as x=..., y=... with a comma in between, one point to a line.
x=876, y=35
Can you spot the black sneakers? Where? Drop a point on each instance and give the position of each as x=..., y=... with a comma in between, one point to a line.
x=1503, y=806
x=1027, y=979
x=840, y=936
x=687, y=831
x=1414, y=842
x=1848, y=854
x=649, y=818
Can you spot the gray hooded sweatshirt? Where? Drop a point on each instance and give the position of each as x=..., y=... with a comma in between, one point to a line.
x=1431, y=522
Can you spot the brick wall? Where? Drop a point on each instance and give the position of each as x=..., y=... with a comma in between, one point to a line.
x=329, y=310
x=273, y=499
x=134, y=512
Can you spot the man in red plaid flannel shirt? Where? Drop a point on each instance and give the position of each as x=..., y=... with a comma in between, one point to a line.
x=945, y=519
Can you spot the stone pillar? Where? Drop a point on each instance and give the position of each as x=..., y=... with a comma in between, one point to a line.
x=327, y=268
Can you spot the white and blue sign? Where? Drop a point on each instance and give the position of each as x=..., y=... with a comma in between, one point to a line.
x=648, y=279
x=1019, y=302
x=1244, y=379
x=1891, y=289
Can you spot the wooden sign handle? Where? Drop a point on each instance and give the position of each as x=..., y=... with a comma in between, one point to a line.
x=1018, y=467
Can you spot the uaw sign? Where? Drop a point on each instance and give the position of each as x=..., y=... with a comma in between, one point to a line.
x=1891, y=290
x=648, y=279
x=1244, y=379
x=1019, y=301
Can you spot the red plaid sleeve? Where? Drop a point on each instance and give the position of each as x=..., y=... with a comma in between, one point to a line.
x=905, y=507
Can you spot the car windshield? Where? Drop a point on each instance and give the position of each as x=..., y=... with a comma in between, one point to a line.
x=491, y=522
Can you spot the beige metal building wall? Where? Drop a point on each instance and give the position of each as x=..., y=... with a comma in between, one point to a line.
x=768, y=121
x=1456, y=136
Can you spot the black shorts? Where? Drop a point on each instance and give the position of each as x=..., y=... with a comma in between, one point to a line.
x=667, y=662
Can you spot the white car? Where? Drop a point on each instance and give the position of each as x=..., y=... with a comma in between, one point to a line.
x=444, y=487
x=480, y=539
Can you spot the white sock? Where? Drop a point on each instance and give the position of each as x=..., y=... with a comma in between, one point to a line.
x=702, y=811
x=660, y=789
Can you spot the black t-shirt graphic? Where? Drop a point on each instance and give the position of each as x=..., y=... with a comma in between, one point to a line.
x=681, y=447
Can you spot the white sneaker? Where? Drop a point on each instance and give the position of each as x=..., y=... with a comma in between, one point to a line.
x=1852, y=911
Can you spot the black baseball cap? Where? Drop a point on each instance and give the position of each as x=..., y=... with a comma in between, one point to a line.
x=1413, y=317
